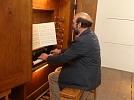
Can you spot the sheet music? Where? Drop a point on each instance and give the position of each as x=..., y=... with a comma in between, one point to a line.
x=44, y=34
x=36, y=39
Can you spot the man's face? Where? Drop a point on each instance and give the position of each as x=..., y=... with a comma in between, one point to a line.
x=76, y=30
x=75, y=27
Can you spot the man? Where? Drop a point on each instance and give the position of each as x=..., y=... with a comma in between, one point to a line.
x=81, y=62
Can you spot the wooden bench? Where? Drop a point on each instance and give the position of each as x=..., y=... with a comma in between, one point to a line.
x=70, y=94
x=5, y=94
x=75, y=94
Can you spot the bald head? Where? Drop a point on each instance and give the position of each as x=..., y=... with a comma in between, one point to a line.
x=84, y=19
x=84, y=16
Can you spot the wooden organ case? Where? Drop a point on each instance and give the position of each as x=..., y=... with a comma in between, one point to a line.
x=57, y=11
x=15, y=43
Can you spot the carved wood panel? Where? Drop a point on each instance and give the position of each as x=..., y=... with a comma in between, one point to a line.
x=15, y=43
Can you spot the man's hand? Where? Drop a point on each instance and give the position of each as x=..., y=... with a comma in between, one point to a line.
x=56, y=51
x=43, y=56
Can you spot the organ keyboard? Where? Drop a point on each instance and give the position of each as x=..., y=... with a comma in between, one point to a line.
x=37, y=61
x=38, y=52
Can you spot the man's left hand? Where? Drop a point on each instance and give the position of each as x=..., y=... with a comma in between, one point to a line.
x=43, y=56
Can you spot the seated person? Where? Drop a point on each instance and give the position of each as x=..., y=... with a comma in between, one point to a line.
x=81, y=61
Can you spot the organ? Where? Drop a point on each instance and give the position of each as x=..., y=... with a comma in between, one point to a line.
x=21, y=71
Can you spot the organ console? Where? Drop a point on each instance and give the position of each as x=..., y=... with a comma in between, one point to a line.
x=45, y=11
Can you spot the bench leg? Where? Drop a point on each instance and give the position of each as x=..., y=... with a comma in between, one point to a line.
x=95, y=94
x=84, y=95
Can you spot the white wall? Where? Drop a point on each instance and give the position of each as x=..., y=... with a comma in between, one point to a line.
x=115, y=30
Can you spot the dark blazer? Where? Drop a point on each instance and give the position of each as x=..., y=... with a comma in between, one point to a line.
x=81, y=63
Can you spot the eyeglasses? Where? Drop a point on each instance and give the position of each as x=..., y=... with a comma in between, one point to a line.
x=73, y=22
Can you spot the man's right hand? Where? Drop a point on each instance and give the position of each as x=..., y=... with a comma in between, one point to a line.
x=55, y=51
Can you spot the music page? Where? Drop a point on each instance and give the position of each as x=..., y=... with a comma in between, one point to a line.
x=44, y=34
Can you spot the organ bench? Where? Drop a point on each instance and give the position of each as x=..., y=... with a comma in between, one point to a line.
x=75, y=94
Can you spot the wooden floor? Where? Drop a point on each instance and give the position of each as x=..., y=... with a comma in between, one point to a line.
x=116, y=85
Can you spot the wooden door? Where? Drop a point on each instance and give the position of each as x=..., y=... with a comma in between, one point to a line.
x=88, y=6
x=15, y=43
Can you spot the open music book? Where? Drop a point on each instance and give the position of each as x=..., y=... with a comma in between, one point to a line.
x=43, y=35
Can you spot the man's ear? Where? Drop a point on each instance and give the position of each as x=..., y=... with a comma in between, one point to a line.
x=79, y=24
